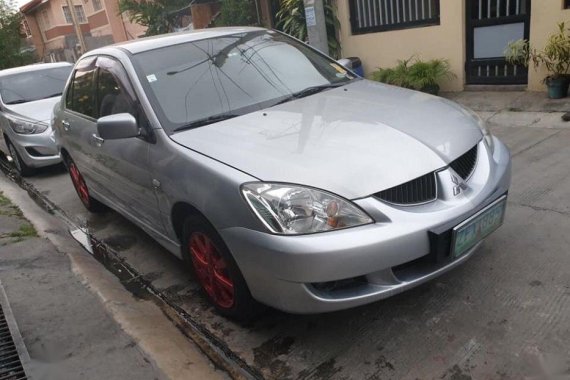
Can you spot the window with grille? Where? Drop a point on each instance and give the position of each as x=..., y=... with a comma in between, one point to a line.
x=79, y=14
x=26, y=28
x=67, y=15
x=45, y=20
x=97, y=6
x=369, y=16
x=566, y=4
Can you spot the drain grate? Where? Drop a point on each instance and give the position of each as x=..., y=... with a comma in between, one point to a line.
x=13, y=353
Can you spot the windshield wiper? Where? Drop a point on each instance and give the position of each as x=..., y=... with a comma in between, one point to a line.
x=206, y=121
x=51, y=96
x=19, y=101
x=309, y=91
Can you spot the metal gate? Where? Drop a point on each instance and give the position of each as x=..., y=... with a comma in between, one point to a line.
x=491, y=25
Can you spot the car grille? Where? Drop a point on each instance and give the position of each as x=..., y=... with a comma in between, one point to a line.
x=416, y=191
x=465, y=164
x=424, y=189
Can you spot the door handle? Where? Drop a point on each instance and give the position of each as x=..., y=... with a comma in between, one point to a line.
x=66, y=125
x=97, y=140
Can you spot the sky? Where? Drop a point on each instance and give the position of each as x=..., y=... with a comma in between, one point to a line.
x=19, y=3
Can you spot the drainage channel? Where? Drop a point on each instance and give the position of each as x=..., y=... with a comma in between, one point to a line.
x=14, y=357
x=220, y=354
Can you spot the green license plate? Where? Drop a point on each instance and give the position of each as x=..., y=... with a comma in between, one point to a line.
x=479, y=226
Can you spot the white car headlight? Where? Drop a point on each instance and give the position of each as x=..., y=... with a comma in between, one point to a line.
x=26, y=127
x=293, y=210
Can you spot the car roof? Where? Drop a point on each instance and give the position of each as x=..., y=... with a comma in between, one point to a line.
x=155, y=42
x=34, y=67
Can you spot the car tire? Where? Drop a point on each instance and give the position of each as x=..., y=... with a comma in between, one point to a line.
x=20, y=166
x=90, y=203
x=216, y=270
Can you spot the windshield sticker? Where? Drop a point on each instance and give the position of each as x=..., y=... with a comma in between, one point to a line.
x=339, y=68
x=151, y=78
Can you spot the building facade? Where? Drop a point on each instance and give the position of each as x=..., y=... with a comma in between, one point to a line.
x=471, y=34
x=49, y=27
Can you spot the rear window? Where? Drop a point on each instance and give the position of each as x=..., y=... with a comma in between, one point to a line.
x=33, y=85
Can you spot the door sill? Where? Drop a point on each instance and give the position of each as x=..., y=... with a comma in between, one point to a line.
x=496, y=87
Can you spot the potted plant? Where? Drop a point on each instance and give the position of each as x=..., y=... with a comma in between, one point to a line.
x=555, y=57
x=420, y=75
x=426, y=76
x=397, y=76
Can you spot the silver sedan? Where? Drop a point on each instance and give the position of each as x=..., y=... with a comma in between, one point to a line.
x=27, y=97
x=276, y=173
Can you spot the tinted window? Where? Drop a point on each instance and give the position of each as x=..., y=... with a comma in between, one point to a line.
x=233, y=74
x=33, y=85
x=81, y=96
x=111, y=96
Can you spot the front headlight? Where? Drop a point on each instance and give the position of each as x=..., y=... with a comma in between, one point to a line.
x=26, y=127
x=293, y=210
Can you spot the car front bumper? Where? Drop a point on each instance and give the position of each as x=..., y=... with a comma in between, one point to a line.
x=36, y=150
x=346, y=268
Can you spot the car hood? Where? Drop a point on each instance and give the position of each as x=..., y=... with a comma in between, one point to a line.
x=39, y=110
x=354, y=140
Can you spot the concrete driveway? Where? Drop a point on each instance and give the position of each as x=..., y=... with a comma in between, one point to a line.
x=504, y=314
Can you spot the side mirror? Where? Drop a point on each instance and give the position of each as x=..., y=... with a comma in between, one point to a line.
x=118, y=126
x=345, y=62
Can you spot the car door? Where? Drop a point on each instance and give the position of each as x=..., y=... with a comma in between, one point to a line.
x=122, y=166
x=79, y=119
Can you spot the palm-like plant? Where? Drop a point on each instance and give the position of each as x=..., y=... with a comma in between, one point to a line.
x=426, y=76
x=416, y=74
x=291, y=20
x=397, y=76
x=555, y=56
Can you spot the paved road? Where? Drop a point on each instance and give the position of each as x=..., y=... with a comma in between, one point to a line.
x=66, y=329
x=504, y=314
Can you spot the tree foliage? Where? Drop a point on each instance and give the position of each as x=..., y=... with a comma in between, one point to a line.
x=237, y=13
x=159, y=16
x=11, y=38
x=291, y=20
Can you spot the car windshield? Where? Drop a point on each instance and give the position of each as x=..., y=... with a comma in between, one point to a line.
x=33, y=85
x=201, y=82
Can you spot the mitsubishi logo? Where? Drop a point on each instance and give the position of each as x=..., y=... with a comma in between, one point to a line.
x=458, y=185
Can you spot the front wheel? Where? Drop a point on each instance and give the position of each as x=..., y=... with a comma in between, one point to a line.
x=216, y=270
x=90, y=203
x=21, y=167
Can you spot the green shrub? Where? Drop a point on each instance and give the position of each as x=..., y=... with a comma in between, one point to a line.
x=237, y=13
x=416, y=74
x=555, y=56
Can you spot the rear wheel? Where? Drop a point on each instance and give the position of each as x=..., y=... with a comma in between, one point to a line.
x=216, y=271
x=21, y=167
x=81, y=188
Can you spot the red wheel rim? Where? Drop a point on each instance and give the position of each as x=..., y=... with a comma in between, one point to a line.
x=211, y=270
x=79, y=184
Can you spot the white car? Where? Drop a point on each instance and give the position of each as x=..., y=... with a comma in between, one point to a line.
x=278, y=174
x=27, y=97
